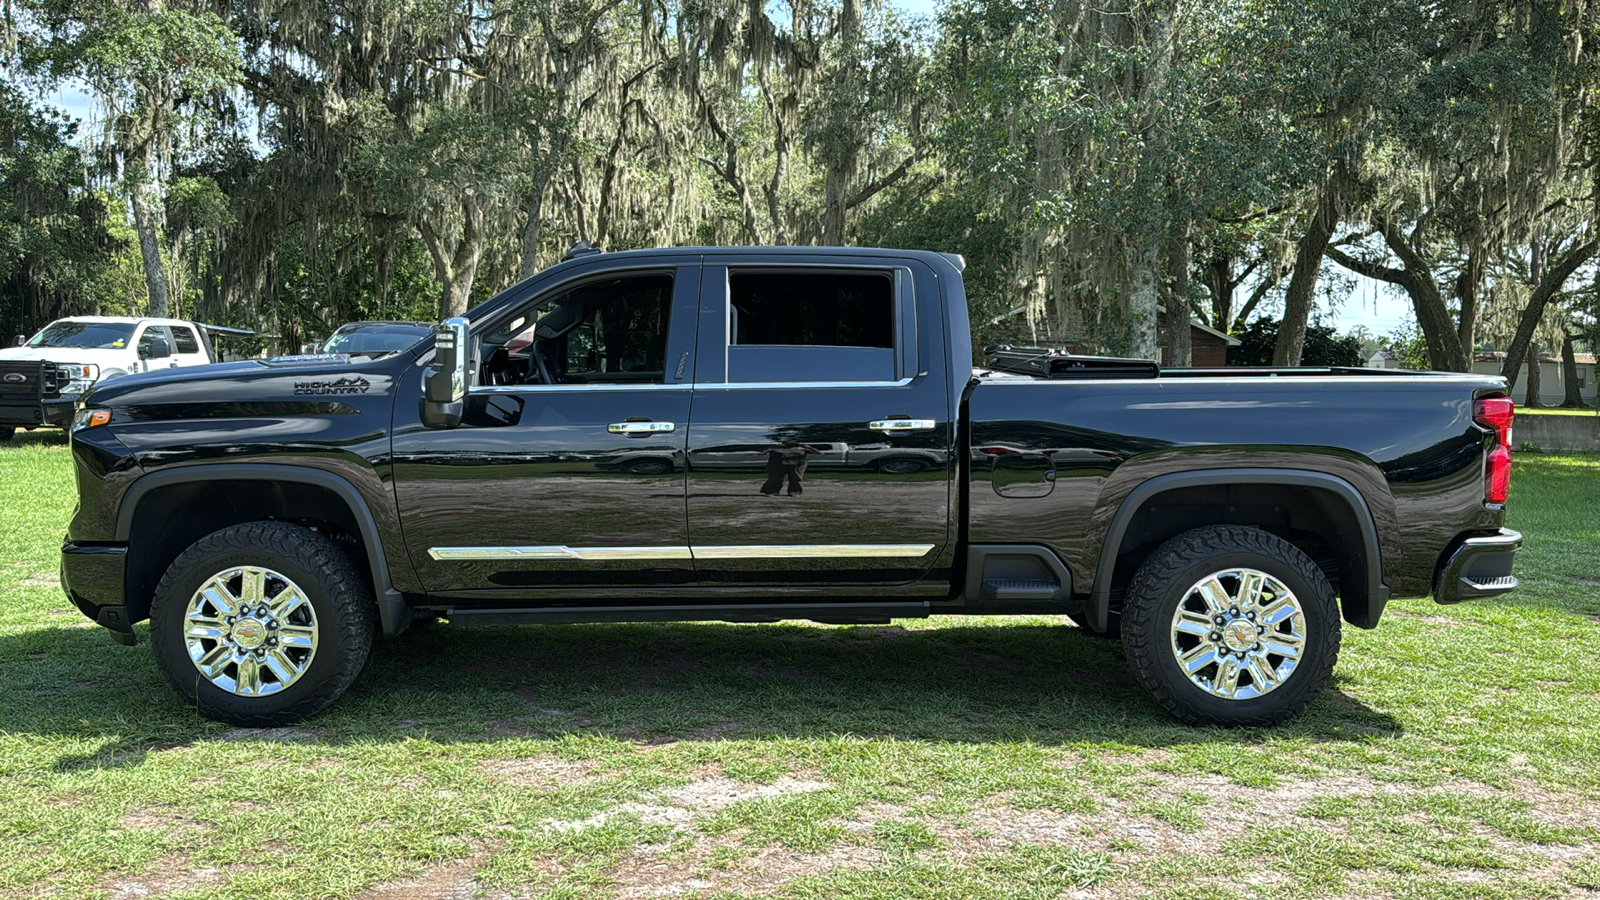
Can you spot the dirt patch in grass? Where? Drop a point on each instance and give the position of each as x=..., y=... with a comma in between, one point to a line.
x=653, y=872
x=538, y=771
x=1430, y=619
x=268, y=734
x=150, y=818
x=682, y=807
x=167, y=875
x=43, y=579
x=451, y=881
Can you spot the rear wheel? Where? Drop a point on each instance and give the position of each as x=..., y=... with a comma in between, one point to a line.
x=6, y=431
x=261, y=624
x=1228, y=625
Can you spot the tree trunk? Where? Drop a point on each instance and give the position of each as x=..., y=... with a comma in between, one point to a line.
x=833, y=212
x=1439, y=331
x=1569, y=375
x=1467, y=284
x=1218, y=278
x=456, y=271
x=1532, y=401
x=1302, y=290
x=144, y=222
x=533, y=231
x=1179, y=257
x=1143, y=299
x=1547, y=287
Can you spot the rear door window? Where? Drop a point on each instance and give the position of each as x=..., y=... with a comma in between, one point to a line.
x=816, y=326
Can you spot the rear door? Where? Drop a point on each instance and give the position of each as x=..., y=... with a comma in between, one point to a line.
x=186, y=346
x=795, y=364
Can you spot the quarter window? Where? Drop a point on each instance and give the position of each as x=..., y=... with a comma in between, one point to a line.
x=183, y=339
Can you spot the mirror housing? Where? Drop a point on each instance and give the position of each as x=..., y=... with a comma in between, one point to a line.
x=21, y=339
x=156, y=349
x=444, y=387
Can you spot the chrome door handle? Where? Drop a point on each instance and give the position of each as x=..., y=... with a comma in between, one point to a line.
x=897, y=425
x=641, y=427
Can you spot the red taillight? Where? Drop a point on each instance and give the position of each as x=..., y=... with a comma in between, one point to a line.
x=1497, y=478
x=1496, y=413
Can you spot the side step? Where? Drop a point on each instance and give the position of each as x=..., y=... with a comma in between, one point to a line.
x=1020, y=590
x=826, y=613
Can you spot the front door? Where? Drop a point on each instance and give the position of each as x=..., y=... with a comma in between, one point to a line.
x=567, y=471
x=819, y=451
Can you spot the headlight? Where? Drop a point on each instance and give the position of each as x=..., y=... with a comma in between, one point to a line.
x=90, y=417
x=77, y=377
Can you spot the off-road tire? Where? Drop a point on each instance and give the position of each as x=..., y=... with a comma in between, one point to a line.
x=338, y=594
x=1165, y=577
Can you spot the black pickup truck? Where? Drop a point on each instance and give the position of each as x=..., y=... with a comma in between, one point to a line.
x=760, y=434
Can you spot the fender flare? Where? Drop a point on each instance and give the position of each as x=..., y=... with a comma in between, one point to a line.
x=1376, y=595
x=393, y=613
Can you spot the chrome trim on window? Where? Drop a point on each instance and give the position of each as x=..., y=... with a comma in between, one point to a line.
x=746, y=385
x=753, y=551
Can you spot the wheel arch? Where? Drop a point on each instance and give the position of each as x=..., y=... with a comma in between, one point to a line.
x=171, y=509
x=1335, y=505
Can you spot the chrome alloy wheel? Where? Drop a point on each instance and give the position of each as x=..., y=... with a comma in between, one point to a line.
x=250, y=631
x=1238, y=634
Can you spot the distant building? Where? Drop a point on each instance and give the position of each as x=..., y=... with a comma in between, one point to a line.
x=1551, y=389
x=1383, y=359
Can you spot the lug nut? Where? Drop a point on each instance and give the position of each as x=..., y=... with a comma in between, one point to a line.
x=1215, y=637
x=1233, y=611
x=1251, y=615
x=1220, y=620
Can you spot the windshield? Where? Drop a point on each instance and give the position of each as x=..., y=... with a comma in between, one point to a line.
x=374, y=340
x=98, y=335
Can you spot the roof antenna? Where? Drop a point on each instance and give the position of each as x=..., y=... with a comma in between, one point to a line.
x=581, y=248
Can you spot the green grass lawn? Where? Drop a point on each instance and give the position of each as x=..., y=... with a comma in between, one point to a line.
x=1456, y=754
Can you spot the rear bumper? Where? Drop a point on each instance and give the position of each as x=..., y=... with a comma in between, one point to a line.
x=93, y=577
x=1480, y=567
x=35, y=413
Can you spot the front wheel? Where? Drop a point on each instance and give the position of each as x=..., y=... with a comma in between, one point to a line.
x=261, y=624
x=1228, y=625
x=6, y=431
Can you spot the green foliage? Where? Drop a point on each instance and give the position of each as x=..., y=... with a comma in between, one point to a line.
x=53, y=237
x=1408, y=345
x=1323, y=347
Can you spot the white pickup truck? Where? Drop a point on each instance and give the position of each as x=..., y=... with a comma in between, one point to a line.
x=42, y=378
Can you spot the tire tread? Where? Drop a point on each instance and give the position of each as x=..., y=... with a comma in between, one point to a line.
x=353, y=613
x=1144, y=639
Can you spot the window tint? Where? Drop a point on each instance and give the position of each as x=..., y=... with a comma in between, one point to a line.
x=805, y=326
x=607, y=332
x=815, y=309
x=183, y=339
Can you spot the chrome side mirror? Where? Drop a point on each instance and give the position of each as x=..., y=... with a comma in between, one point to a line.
x=444, y=388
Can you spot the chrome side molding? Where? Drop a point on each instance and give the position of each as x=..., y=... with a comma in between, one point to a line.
x=754, y=551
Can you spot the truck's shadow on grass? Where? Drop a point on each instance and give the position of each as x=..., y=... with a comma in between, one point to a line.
x=1046, y=684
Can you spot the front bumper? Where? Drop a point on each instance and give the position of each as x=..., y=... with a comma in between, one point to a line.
x=1480, y=567
x=93, y=575
x=36, y=413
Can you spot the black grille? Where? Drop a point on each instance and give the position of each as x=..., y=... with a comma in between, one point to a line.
x=22, y=379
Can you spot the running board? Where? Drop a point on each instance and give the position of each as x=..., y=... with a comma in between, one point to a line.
x=826, y=613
